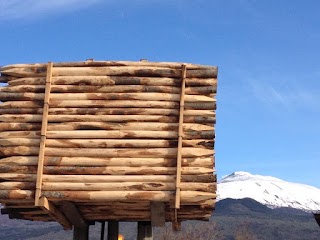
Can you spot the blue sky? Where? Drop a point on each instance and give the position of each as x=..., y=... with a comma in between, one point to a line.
x=267, y=51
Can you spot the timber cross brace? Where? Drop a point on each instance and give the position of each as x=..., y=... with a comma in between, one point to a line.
x=175, y=222
x=40, y=201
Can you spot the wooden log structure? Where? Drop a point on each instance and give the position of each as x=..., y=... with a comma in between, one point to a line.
x=108, y=141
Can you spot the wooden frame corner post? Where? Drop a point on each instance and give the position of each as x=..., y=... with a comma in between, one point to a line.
x=43, y=133
x=179, y=152
x=43, y=202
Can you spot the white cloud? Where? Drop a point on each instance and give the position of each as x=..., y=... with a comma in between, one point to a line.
x=288, y=94
x=26, y=9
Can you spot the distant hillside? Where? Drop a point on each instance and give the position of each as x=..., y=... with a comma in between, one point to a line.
x=233, y=219
x=261, y=222
x=270, y=191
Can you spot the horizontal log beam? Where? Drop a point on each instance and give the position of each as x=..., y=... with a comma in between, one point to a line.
x=108, y=63
x=100, y=152
x=111, y=118
x=165, y=196
x=17, y=185
x=114, y=80
x=195, y=90
x=110, y=104
x=137, y=71
x=127, y=186
x=125, y=170
x=85, y=161
x=18, y=177
x=70, y=170
x=147, y=96
x=106, y=143
x=16, y=194
x=108, y=111
x=84, y=118
x=205, y=178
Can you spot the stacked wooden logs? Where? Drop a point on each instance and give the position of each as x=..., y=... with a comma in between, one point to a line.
x=111, y=138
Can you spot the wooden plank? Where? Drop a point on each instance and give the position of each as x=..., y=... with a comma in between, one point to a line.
x=180, y=133
x=176, y=226
x=72, y=214
x=43, y=133
x=103, y=226
x=52, y=211
x=158, y=214
x=113, y=230
x=43, y=202
x=81, y=233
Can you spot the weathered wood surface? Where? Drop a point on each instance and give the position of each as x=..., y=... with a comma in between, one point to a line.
x=126, y=186
x=111, y=104
x=147, y=126
x=111, y=140
x=70, y=170
x=204, y=90
x=165, y=196
x=107, y=111
x=205, y=178
x=139, y=71
x=114, y=80
x=109, y=63
x=106, y=152
x=106, y=143
x=90, y=161
x=9, y=96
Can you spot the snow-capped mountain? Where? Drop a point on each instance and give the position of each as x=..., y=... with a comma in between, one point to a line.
x=270, y=191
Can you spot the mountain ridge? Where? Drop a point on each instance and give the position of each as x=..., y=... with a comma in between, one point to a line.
x=269, y=191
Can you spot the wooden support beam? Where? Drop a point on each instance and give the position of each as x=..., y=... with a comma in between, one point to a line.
x=179, y=150
x=43, y=133
x=17, y=210
x=72, y=214
x=113, y=230
x=52, y=211
x=176, y=226
x=144, y=231
x=158, y=217
x=15, y=215
x=81, y=233
x=43, y=202
x=103, y=226
x=5, y=211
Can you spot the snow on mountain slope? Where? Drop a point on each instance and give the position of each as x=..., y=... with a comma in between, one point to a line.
x=270, y=191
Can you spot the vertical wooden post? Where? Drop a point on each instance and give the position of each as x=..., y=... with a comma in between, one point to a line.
x=179, y=155
x=144, y=231
x=43, y=202
x=81, y=233
x=43, y=133
x=113, y=230
x=103, y=226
